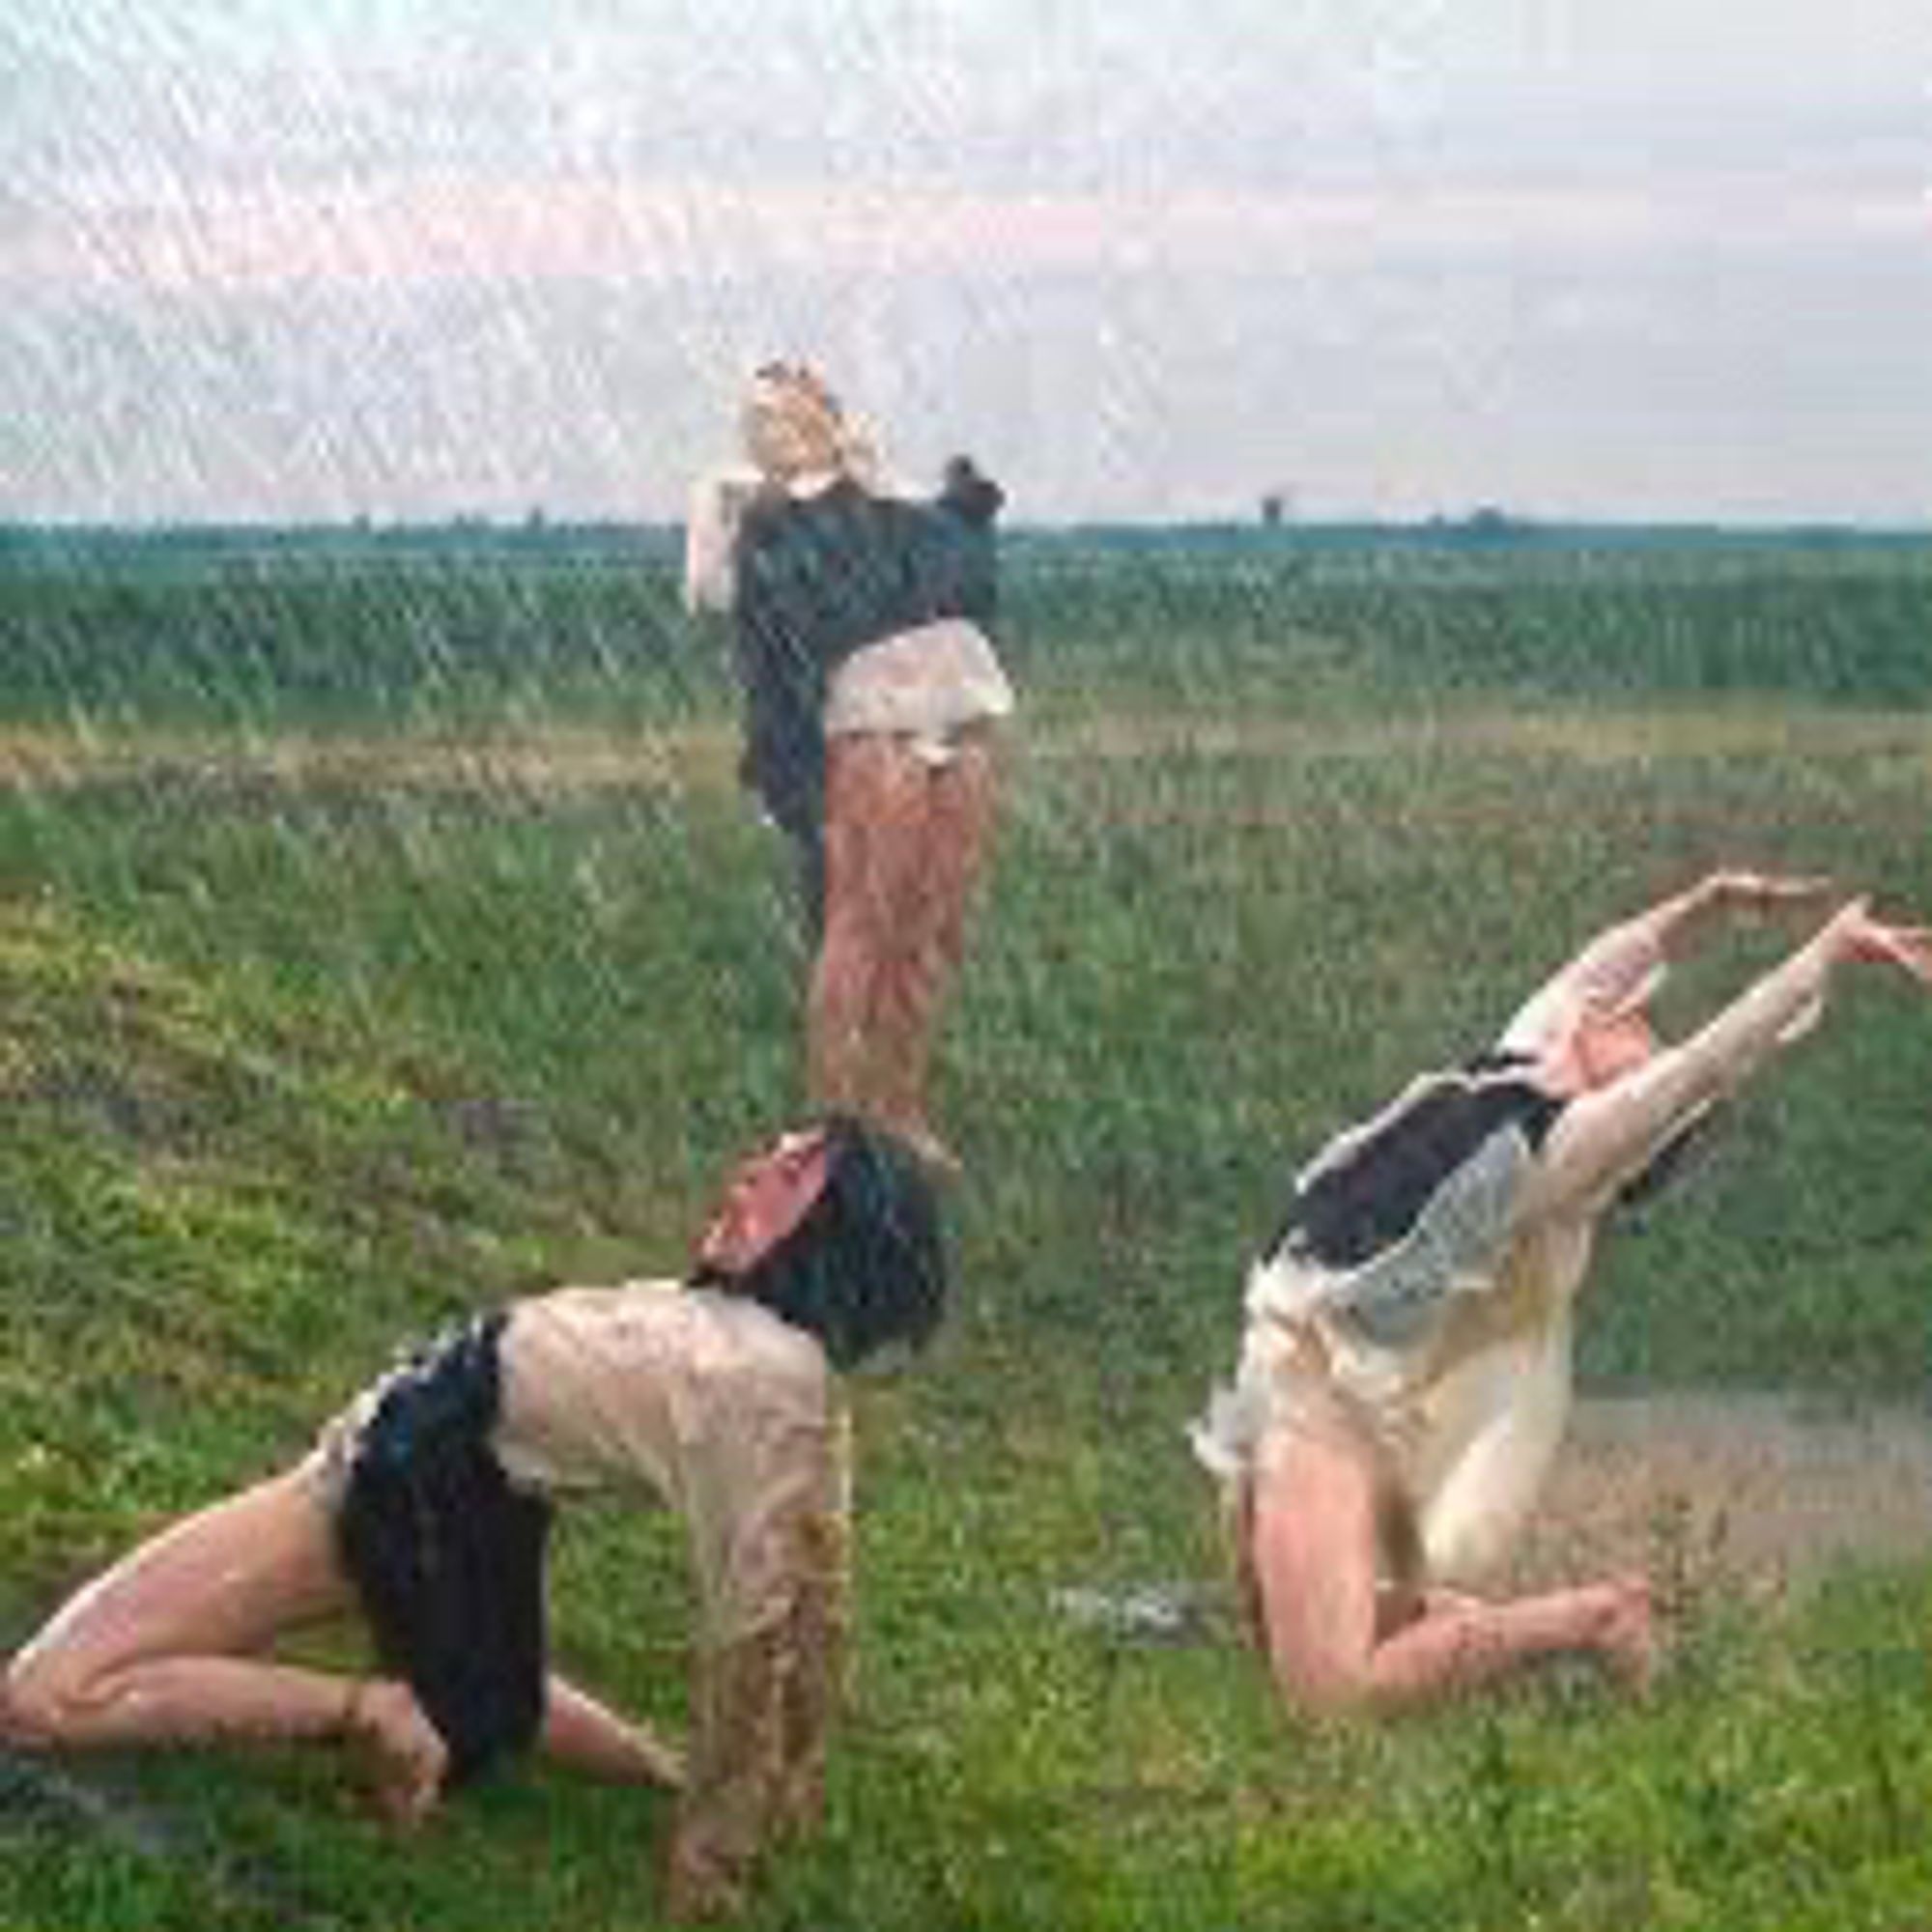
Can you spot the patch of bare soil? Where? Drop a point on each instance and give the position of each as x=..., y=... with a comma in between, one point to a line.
x=1764, y=1490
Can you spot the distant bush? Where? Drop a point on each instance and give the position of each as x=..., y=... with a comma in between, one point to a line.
x=1838, y=622
x=285, y=637
x=295, y=632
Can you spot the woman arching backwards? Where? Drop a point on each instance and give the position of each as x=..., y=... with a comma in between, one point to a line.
x=424, y=1506
x=1405, y=1371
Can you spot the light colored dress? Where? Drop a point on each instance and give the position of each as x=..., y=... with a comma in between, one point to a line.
x=1450, y=1348
x=663, y=1394
x=695, y=1398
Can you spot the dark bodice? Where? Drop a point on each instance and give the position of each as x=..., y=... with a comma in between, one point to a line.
x=818, y=578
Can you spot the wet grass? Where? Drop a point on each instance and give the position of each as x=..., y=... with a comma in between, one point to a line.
x=298, y=1055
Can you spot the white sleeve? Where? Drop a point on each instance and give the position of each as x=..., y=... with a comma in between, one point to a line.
x=711, y=541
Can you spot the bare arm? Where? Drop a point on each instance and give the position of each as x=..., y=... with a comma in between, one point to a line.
x=1605, y=1136
x=1620, y=966
x=716, y=509
x=1673, y=926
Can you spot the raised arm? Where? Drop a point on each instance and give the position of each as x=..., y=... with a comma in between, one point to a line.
x=1674, y=925
x=1606, y=1136
x=1619, y=969
x=712, y=521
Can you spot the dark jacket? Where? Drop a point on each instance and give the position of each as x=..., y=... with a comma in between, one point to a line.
x=819, y=577
x=973, y=502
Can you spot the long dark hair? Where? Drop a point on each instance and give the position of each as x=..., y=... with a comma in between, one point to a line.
x=866, y=1265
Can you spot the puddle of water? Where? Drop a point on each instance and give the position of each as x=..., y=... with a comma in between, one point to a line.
x=1768, y=1488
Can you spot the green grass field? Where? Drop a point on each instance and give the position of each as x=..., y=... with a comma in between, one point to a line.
x=378, y=942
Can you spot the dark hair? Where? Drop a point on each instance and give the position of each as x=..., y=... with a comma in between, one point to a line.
x=865, y=1267
x=1357, y=1204
x=969, y=494
x=1671, y=1161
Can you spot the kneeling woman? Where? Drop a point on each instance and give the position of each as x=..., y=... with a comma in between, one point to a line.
x=424, y=1507
x=1405, y=1375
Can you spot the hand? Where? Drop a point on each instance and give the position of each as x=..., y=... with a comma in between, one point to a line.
x=1767, y=891
x=699, y=1889
x=1857, y=935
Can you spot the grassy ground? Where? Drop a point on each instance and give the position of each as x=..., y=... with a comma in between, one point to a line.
x=317, y=1025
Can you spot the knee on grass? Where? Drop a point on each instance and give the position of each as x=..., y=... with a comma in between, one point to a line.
x=46, y=1698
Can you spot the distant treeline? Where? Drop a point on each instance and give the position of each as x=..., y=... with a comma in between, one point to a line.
x=79, y=544
x=264, y=625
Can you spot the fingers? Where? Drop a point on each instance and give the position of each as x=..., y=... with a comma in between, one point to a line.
x=1771, y=891
x=1805, y=891
x=1907, y=946
x=1861, y=937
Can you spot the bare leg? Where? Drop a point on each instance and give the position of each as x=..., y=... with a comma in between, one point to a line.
x=166, y=1647
x=862, y=810
x=580, y=1732
x=1330, y=1643
x=928, y=892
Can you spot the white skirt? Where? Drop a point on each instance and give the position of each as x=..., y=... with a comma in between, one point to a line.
x=927, y=684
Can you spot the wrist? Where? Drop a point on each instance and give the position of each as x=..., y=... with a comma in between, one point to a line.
x=698, y=1883
x=349, y=1718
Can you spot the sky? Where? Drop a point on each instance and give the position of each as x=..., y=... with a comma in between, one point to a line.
x=1144, y=258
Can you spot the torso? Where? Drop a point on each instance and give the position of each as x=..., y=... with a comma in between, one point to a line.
x=699, y=1399
x=1470, y=1412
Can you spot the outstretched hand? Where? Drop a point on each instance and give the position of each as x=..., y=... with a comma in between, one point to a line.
x=1860, y=936
x=1767, y=891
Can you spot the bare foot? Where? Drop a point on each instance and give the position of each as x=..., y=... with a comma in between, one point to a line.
x=931, y=1152
x=658, y=1763
x=1628, y=1639
x=402, y=1750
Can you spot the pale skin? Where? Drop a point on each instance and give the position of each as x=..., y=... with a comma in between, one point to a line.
x=1338, y=1639
x=172, y=1644
x=906, y=842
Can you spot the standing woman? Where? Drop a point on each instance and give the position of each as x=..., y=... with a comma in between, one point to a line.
x=872, y=698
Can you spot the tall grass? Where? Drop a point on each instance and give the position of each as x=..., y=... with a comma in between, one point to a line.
x=290, y=633
x=297, y=1056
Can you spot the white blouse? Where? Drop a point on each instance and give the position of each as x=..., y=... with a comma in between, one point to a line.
x=927, y=684
x=703, y=1400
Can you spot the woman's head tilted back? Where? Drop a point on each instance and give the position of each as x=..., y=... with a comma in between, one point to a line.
x=863, y=1266
x=793, y=426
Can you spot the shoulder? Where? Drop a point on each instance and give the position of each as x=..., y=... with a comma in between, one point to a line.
x=745, y=1347
x=720, y=1363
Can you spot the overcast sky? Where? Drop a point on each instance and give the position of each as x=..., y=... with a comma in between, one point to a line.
x=1145, y=258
